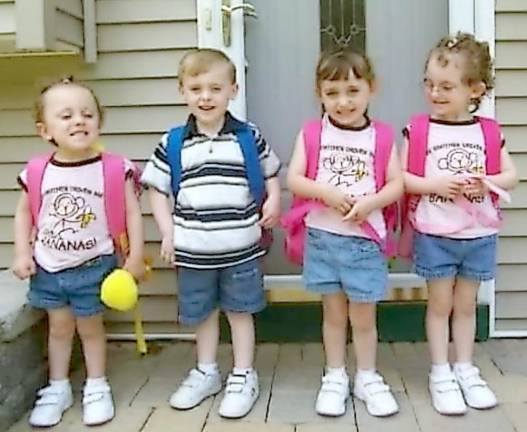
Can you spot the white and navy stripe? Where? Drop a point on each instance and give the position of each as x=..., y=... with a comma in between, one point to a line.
x=215, y=216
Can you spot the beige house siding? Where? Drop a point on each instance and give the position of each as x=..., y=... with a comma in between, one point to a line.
x=7, y=25
x=511, y=109
x=69, y=24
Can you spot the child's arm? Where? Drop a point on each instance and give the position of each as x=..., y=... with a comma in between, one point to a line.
x=508, y=177
x=134, y=226
x=446, y=186
x=271, y=206
x=390, y=192
x=160, y=204
x=23, y=264
x=300, y=185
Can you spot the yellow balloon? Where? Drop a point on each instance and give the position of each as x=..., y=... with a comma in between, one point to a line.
x=119, y=290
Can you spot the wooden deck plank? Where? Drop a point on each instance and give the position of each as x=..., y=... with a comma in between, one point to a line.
x=509, y=387
x=517, y=414
x=289, y=379
x=474, y=421
x=168, y=368
x=405, y=420
x=294, y=393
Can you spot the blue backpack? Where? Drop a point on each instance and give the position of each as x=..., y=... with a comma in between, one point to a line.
x=249, y=150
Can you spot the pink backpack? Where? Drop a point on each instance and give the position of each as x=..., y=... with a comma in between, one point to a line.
x=293, y=220
x=114, y=196
x=417, y=146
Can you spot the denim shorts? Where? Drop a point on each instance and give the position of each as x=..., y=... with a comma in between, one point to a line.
x=238, y=288
x=355, y=265
x=78, y=287
x=441, y=257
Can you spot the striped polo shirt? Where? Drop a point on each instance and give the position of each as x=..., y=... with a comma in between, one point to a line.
x=215, y=216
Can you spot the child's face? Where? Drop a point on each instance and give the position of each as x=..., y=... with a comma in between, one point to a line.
x=346, y=100
x=447, y=93
x=70, y=118
x=208, y=94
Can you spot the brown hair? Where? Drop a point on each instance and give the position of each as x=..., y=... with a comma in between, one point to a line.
x=199, y=61
x=336, y=65
x=476, y=54
x=65, y=81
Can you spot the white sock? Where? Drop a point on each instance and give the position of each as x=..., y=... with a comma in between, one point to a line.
x=62, y=384
x=441, y=369
x=95, y=381
x=459, y=367
x=208, y=368
x=335, y=370
x=241, y=371
x=361, y=373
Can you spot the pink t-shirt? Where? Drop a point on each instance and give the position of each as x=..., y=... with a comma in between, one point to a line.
x=347, y=162
x=454, y=149
x=72, y=226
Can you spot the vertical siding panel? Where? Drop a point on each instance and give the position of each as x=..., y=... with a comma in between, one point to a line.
x=511, y=102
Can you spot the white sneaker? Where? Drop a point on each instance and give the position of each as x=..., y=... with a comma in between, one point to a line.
x=195, y=388
x=446, y=394
x=52, y=402
x=97, y=404
x=371, y=389
x=333, y=393
x=475, y=390
x=241, y=393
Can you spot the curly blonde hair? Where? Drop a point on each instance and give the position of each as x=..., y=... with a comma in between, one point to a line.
x=478, y=62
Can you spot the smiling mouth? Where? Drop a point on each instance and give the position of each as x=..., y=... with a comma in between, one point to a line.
x=81, y=133
x=206, y=108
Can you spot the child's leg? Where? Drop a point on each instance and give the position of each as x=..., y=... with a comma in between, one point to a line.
x=93, y=339
x=60, y=339
x=243, y=339
x=207, y=337
x=241, y=295
x=369, y=385
x=97, y=401
x=335, y=328
x=464, y=319
x=57, y=397
x=444, y=390
x=363, y=323
x=438, y=310
x=476, y=391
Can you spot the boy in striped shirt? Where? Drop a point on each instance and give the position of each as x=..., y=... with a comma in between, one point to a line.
x=213, y=232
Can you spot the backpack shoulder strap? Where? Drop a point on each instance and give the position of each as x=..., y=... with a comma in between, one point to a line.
x=174, y=147
x=249, y=149
x=114, y=194
x=492, y=136
x=417, y=144
x=383, y=149
x=35, y=174
x=312, y=131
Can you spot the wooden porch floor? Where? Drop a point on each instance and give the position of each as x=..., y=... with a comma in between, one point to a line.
x=289, y=380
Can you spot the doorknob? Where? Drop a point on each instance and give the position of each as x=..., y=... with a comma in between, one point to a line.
x=227, y=10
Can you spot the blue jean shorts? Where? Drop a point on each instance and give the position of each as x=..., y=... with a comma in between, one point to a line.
x=238, y=288
x=441, y=257
x=355, y=265
x=77, y=287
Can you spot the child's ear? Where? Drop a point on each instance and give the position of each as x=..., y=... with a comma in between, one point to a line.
x=478, y=89
x=235, y=89
x=42, y=131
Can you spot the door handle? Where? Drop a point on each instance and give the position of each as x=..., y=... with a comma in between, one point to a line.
x=226, y=13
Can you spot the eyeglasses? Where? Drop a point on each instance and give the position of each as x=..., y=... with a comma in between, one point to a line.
x=441, y=89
